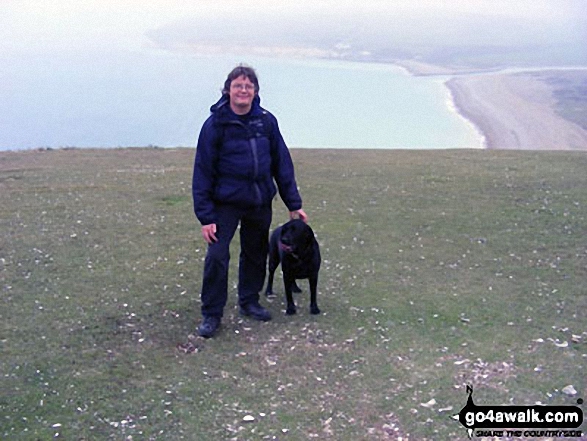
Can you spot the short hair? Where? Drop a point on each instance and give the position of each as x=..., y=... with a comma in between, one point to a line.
x=239, y=71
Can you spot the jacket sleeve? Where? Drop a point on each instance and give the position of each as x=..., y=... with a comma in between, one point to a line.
x=283, y=169
x=204, y=177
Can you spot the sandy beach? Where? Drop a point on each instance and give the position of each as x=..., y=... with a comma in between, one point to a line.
x=519, y=110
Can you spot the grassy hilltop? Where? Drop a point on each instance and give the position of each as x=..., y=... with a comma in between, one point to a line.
x=441, y=269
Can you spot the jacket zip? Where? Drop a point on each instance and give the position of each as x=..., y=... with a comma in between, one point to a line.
x=253, y=142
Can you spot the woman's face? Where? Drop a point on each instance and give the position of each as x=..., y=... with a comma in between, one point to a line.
x=242, y=93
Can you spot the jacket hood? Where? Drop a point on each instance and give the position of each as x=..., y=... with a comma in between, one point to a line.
x=224, y=103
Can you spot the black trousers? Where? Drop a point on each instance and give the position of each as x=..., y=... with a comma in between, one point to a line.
x=254, y=238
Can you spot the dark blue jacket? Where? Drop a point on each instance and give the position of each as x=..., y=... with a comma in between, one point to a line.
x=238, y=161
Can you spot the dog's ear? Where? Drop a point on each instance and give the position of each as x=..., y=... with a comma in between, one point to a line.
x=285, y=231
x=308, y=236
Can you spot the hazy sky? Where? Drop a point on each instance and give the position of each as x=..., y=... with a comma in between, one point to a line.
x=31, y=25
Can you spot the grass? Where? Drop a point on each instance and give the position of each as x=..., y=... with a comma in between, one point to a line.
x=440, y=268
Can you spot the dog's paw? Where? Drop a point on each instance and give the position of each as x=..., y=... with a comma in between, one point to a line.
x=314, y=310
x=291, y=310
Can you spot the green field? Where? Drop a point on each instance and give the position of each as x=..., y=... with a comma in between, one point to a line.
x=440, y=269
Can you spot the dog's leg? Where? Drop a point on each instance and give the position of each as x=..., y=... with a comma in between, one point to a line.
x=269, y=289
x=273, y=264
x=288, y=283
x=313, y=295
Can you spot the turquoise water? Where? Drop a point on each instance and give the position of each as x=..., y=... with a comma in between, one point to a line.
x=121, y=99
x=359, y=105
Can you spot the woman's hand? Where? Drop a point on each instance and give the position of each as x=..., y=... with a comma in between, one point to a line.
x=209, y=233
x=299, y=214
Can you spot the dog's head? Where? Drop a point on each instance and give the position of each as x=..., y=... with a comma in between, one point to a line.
x=296, y=237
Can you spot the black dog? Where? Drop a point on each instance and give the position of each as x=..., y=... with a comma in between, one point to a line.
x=295, y=247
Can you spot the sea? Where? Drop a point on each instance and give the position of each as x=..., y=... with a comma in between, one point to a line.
x=152, y=97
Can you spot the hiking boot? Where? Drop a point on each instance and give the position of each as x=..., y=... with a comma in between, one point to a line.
x=255, y=311
x=209, y=326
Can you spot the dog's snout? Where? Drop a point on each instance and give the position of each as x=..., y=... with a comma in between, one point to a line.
x=285, y=247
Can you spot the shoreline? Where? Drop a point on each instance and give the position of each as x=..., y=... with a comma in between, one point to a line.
x=455, y=109
x=512, y=108
x=516, y=110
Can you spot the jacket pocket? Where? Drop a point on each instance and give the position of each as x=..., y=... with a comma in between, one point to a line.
x=240, y=193
x=227, y=193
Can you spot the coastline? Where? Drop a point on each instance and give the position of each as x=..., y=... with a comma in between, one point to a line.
x=517, y=110
x=514, y=108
